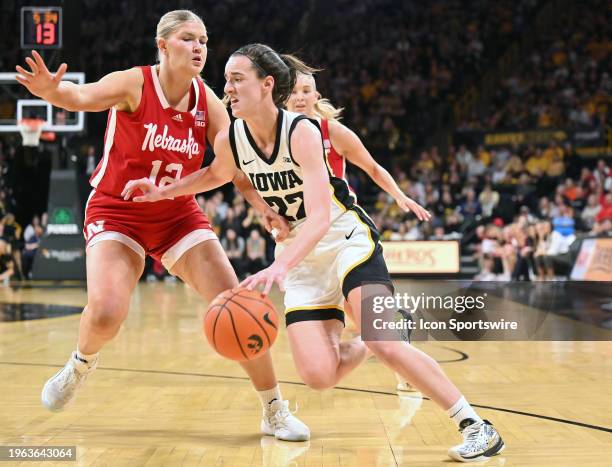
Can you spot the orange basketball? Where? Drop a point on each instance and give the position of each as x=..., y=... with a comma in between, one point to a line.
x=241, y=324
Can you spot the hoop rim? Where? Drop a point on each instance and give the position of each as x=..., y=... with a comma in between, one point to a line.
x=31, y=130
x=32, y=123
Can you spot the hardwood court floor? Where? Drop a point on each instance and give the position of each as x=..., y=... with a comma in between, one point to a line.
x=162, y=397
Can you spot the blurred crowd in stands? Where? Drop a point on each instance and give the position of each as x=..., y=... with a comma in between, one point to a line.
x=394, y=78
x=517, y=209
x=17, y=245
x=565, y=81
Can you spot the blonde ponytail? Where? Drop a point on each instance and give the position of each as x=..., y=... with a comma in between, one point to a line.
x=324, y=109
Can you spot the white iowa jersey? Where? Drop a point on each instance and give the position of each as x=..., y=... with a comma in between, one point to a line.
x=278, y=179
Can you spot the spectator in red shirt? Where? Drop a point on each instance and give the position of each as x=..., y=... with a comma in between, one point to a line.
x=606, y=207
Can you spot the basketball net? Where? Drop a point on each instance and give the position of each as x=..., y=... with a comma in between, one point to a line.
x=31, y=129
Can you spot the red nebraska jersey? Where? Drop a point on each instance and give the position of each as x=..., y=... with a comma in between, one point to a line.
x=335, y=160
x=154, y=141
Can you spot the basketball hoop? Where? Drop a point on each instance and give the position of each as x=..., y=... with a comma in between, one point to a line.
x=31, y=129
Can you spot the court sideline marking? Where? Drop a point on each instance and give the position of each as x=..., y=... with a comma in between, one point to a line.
x=341, y=388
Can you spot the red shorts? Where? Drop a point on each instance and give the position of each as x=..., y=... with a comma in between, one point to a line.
x=164, y=230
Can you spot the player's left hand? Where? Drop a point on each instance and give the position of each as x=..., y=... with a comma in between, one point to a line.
x=408, y=204
x=276, y=272
x=150, y=191
x=276, y=224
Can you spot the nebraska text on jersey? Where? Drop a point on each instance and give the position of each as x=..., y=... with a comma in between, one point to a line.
x=154, y=140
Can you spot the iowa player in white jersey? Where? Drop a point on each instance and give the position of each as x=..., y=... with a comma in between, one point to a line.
x=332, y=250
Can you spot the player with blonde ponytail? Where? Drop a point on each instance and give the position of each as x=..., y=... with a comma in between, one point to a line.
x=341, y=143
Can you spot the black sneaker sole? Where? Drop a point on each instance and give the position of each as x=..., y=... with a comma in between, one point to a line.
x=499, y=447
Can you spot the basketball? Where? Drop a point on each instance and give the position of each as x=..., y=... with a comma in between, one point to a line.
x=241, y=324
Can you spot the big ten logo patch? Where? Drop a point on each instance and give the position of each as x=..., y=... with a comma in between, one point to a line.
x=200, y=118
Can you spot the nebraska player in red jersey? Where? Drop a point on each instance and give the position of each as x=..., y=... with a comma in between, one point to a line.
x=342, y=144
x=159, y=119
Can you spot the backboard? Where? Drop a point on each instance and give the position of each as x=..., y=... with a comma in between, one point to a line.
x=16, y=104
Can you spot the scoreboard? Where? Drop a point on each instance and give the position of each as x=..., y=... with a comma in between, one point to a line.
x=41, y=27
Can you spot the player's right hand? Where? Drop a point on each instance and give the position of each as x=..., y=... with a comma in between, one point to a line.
x=276, y=225
x=276, y=272
x=408, y=205
x=39, y=81
x=150, y=192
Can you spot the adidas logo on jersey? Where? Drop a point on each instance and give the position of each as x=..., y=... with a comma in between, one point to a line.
x=178, y=118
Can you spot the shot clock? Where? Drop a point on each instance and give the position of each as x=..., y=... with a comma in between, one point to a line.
x=41, y=27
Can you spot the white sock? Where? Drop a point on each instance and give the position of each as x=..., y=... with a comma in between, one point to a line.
x=270, y=395
x=461, y=411
x=86, y=358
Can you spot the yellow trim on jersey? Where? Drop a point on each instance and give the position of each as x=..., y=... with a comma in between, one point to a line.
x=335, y=200
x=317, y=307
x=368, y=256
x=364, y=213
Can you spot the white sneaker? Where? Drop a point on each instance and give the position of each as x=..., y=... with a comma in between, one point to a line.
x=409, y=405
x=278, y=421
x=480, y=441
x=61, y=388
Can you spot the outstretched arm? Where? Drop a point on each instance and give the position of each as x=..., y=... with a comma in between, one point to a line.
x=351, y=147
x=221, y=171
x=120, y=88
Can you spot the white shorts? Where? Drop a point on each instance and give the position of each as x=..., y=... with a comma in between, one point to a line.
x=347, y=256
